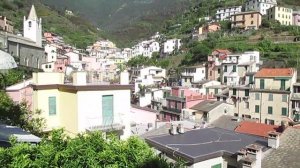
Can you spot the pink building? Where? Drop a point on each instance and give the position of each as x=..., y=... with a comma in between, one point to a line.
x=21, y=92
x=91, y=63
x=214, y=62
x=296, y=18
x=181, y=98
x=61, y=63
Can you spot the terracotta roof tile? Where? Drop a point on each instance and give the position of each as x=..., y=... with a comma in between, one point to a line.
x=257, y=129
x=275, y=72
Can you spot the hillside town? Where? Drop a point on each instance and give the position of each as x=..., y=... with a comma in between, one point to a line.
x=228, y=111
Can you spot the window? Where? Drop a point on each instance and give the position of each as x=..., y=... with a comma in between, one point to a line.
x=251, y=79
x=252, y=22
x=256, y=108
x=247, y=92
x=29, y=24
x=257, y=96
x=282, y=84
x=182, y=93
x=207, y=90
x=270, y=97
x=216, y=91
x=284, y=111
x=217, y=166
x=225, y=68
x=284, y=98
x=262, y=84
x=225, y=79
x=270, y=110
x=234, y=68
x=107, y=109
x=251, y=15
x=52, y=105
x=247, y=105
x=234, y=91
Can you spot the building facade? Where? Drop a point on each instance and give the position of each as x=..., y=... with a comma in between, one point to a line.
x=225, y=13
x=246, y=20
x=79, y=107
x=296, y=18
x=259, y=5
x=281, y=14
x=193, y=74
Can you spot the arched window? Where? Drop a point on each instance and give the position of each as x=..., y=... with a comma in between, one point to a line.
x=29, y=24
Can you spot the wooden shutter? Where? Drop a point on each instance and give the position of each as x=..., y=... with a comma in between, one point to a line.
x=52, y=105
x=107, y=110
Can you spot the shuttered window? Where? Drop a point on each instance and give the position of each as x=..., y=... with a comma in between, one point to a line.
x=284, y=111
x=52, y=105
x=262, y=84
x=107, y=110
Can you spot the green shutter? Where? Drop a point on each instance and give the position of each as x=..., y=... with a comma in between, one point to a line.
x=225, y=79
x=256, y=108
x=270, y=97
x=207, y=90
x=284, y=98
x=270, y=110
x=234, y=91
x=284, y=111
x=262, y=84
x=282, y=84
x=250, y=79
x=107, y=110
x=234, y=68
x=225, y=68
x=216, y=91
x=52, y=105
x=247, y=92
x=217, y=166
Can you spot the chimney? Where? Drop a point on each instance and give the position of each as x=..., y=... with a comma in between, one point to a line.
x=124, y=78
x=180, y=129
x=173, y=130
x=254, y=156
x=273, y=139
x=79, y=78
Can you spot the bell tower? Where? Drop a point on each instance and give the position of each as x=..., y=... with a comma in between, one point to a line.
x=32, y=27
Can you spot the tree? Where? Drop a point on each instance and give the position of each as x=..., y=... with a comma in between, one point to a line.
x=200, y=52
x=85, y=150
x=19, y=115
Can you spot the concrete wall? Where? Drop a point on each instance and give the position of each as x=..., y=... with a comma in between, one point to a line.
x=90, y=108
x=47, y=78
x=209, y=163
x=29, y=56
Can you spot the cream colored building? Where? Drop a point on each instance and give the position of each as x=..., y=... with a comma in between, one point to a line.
x=79, y=107
x=268, y=100
x=281, y=14
x=246, y=20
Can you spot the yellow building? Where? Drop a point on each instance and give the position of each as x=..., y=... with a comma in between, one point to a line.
x=268, y=100
x=78, y=107
x=281, y=14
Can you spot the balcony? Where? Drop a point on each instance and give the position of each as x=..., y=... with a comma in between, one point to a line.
x=176, y=98
x=105, y=125
x=172, y=110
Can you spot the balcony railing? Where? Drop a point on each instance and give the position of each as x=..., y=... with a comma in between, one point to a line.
x=172, y=109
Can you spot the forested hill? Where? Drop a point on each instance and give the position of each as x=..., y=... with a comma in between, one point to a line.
x=125, y=20
x=74, y=29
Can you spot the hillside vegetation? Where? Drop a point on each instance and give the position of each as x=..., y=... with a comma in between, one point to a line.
x=74, y=29
x=126, y=21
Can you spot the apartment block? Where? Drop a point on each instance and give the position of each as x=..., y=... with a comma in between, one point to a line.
x=246, y=20
x=260, y=6
x=281, y=14
x=225, y=13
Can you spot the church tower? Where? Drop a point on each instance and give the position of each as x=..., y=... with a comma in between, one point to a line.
x=33, y=27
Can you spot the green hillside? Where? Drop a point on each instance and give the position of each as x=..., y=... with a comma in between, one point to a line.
x=75, y=30
x=125, y=20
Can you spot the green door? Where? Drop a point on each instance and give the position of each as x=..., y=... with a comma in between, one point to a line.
x=107, y=110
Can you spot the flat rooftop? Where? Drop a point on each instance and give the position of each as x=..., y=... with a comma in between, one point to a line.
x=202, y=144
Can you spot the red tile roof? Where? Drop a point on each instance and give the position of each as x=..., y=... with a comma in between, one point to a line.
x=222, y=51
x=275, y=72
x=257, y=129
